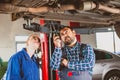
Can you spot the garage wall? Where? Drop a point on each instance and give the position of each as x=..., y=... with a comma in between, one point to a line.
x=9, y=29
x=89, y=39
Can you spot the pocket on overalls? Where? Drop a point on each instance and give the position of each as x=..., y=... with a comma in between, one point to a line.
x=85, y=75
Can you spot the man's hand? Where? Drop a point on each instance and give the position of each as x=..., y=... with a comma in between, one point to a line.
x=57, y=41
x=65, y=62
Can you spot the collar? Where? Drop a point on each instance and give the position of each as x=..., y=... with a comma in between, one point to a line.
x=26, y=55
x=72, y=48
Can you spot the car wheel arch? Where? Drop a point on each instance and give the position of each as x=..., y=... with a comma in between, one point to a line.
x=108, y=72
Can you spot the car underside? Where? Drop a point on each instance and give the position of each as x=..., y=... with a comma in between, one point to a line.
x=89, y=13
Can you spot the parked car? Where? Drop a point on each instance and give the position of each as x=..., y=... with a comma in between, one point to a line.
x=118, y=53
x=107, y=66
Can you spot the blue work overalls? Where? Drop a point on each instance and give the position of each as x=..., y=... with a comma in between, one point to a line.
x=68, y=74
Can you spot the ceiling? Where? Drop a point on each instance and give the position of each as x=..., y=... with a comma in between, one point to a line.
x=90, y=13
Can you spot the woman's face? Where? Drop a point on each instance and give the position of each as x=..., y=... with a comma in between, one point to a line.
x=34, y=42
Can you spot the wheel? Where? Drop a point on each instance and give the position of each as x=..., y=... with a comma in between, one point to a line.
x=113, y=75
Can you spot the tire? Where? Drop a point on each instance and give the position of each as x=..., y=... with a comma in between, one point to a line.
x=113, y=75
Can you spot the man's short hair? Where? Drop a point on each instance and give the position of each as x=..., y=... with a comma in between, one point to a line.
x=62, y=27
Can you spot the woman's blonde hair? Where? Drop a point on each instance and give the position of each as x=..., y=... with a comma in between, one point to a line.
x=33, y=35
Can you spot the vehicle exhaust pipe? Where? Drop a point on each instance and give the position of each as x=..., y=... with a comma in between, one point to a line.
x=84, y=6
x=88, y=5
x=9, y=8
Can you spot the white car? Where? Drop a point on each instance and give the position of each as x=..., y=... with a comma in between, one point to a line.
x=107, y=66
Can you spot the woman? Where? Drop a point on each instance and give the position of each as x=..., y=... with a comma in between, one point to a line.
x=23, y=64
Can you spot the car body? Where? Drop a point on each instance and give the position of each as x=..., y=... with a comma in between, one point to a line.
x=89, y=13
x=118, y=53
x=107, y=66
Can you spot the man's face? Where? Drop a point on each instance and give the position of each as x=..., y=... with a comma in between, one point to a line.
x=34, y=42
x=67, y=35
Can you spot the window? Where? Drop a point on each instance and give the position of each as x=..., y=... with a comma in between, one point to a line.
x=108, y=41
x=102, y=55
x=20, y=45
x=20, y=42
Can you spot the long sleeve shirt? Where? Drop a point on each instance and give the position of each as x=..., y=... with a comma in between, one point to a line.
x=22, y=67
x=74, y=62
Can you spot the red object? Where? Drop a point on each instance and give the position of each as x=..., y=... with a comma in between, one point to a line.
x=74, y=24
x=57, y=76
x=69, y=74
x=78, y=37
x=44, y=46
x=42, y=22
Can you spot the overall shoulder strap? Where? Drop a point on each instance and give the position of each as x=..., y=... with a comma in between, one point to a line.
x=64, y=55
x=81, y=56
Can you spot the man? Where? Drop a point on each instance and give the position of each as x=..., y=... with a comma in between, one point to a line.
x=23, y=64
x=75, y=67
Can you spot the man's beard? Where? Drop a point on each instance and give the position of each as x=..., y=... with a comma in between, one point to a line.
x=69, y=41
